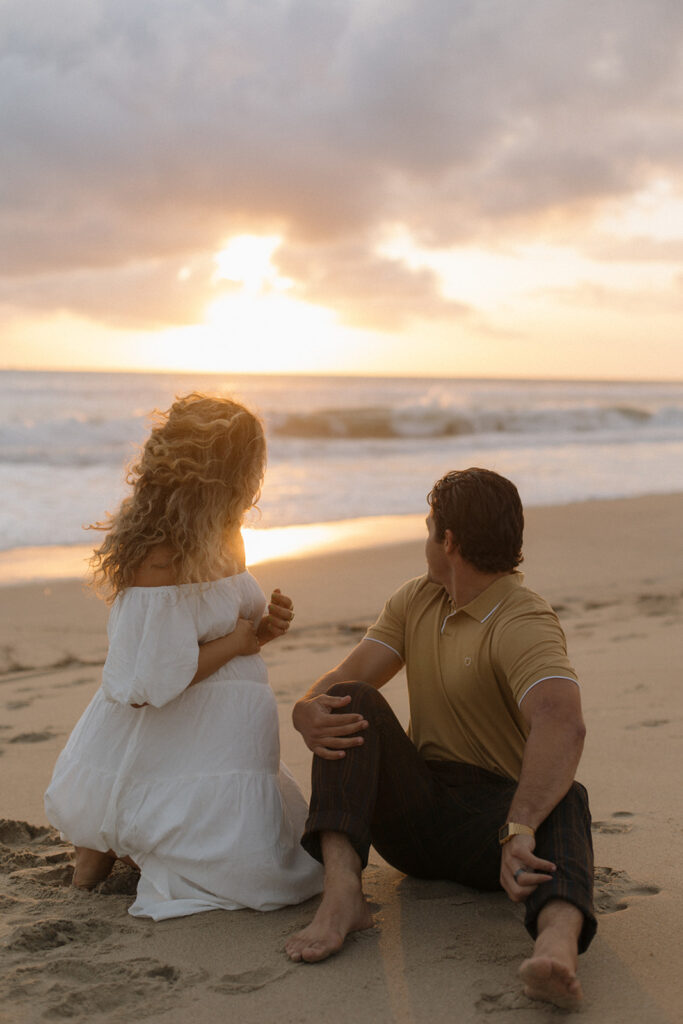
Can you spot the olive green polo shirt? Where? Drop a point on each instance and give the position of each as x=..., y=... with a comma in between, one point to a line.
x=469, y=669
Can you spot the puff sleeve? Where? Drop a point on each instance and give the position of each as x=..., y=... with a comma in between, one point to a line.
x=153, y=646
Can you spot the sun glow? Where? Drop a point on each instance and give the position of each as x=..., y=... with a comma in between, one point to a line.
x=286, y=332
x=247, y=260
x=259, y=315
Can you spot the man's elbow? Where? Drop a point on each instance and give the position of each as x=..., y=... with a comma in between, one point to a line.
x=579, y=732
x=571, y=727
x=574, y=731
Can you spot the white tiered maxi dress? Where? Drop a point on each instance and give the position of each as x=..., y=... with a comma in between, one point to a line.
x=191, y=786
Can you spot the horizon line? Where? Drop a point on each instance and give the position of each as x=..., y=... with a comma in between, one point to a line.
x=341, y=374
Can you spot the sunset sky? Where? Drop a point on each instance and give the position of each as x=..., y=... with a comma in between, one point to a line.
x=423, y=187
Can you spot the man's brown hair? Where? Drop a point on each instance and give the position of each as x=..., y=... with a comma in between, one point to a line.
x=483, y=511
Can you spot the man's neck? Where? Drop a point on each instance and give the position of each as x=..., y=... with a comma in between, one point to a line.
x=468, y=583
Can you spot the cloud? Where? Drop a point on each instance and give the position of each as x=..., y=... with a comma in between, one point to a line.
x=369, y=291
x=146, y=294
x=139, y=135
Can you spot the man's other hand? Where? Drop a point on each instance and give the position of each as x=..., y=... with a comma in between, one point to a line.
x=328, y=735
x=520, y=871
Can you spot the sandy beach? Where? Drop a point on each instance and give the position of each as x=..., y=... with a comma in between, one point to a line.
x=439, y=952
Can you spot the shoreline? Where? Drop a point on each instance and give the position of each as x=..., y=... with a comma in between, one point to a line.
x=52, y=563
x=42, y=564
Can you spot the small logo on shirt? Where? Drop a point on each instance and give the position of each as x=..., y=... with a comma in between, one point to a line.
x=468, y=660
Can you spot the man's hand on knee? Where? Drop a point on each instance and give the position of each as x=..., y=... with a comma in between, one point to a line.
x=325, y=731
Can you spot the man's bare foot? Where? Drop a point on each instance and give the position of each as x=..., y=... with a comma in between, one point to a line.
x=343, y=910
x=550, y=974
x=551, y=981
x=92, y=867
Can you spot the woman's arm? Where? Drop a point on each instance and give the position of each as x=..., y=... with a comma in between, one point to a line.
x=216, y=653
x=156, y=571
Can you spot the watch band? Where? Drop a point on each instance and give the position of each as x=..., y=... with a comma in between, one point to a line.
x=513, y=828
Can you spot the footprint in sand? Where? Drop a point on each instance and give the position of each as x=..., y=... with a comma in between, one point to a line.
x=249, y=981
x=9, y=902
x=71, y=988
x=36, y=938
x=51, y=875
x=613, y=890
x=499, y=1002
x=614, y=827
x=12, y=860
x=611, y=827
x=14, y=833
x=592, y=606
x=352, y=629
x=649, y=723
x=82, y=681
x=33, y=737
x=658, y=604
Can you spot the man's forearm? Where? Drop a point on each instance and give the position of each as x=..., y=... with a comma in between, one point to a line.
x=551, y=757
x=323, y=684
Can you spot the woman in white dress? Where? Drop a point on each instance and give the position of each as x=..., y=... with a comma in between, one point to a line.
x=174, y=765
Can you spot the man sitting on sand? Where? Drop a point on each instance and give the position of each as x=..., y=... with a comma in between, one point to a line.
x=481, y=790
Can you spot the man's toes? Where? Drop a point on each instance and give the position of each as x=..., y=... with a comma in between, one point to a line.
x=316, y=952
x=293, y=949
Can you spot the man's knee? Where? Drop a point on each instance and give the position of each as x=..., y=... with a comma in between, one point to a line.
x=578, y=797
x=363, y=697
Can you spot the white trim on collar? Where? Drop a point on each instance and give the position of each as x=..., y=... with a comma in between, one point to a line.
x=489, y=614
x=449, y=616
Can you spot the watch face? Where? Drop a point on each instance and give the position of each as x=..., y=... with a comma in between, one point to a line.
x=511, y=829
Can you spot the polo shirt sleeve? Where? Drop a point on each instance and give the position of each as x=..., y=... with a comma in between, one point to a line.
x=390, y=628
x=531, y=647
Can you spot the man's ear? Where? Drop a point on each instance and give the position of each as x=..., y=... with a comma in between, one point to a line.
x=450, y=547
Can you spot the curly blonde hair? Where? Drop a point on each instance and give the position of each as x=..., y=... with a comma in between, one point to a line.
x=200, y=470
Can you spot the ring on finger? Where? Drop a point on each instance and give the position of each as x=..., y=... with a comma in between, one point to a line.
x=518, y=872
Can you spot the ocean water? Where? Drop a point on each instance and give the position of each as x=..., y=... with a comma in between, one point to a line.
x=339, y=448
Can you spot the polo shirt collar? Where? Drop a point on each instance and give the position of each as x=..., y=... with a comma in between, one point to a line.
x=486, y=603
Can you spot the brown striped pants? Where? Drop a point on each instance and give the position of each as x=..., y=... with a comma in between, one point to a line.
x=440, y=819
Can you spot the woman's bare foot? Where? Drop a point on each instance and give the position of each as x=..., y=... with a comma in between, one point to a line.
x=550, y=974
x=343, y=908
x=92, y=867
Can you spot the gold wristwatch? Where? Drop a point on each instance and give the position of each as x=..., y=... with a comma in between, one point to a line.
x=512, y=828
